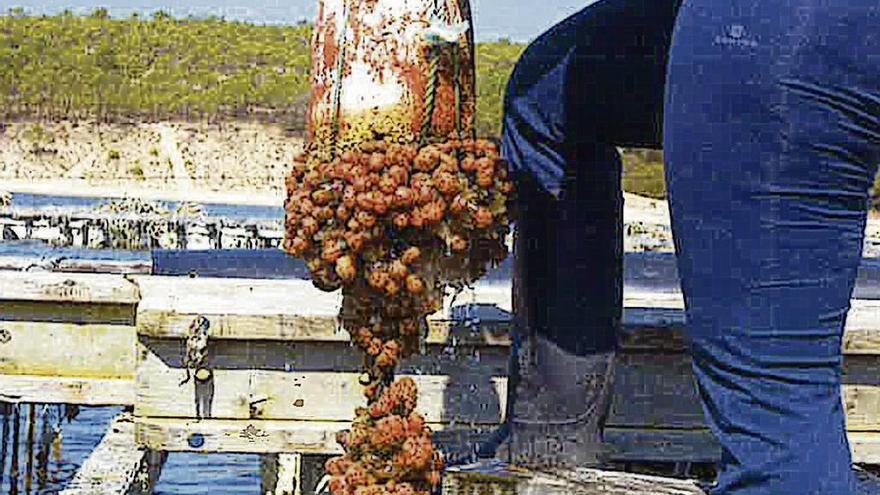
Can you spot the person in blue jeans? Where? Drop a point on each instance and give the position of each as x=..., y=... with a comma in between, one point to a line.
x=769, y=117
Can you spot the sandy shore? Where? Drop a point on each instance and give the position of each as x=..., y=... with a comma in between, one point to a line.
x=232, y=163
x=166, y=160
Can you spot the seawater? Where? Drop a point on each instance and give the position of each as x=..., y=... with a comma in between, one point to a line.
x=54, y=459
x=47, y=202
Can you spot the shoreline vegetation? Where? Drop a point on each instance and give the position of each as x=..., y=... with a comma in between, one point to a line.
x=89, y=101
x=109, y=70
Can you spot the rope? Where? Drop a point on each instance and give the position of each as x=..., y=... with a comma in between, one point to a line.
x=457, y=86
x=337, y=91
x=430, y=94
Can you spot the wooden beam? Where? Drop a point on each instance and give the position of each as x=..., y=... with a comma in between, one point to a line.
x=274, y=310
x=117, y=466
x=495, y=478
x=67, y=350
x=699, y=445
x=237, y=436
x=658, y=390
x=265, y=436
x=66, y=312
x=67, y=288
x=67, y=390
x=58, y=263
x=312, y=381
x=275, y=380
x=124, y=267
x=286, y=310
x=281, y=474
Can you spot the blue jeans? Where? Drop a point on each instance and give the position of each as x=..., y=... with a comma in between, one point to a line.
x=771, y=134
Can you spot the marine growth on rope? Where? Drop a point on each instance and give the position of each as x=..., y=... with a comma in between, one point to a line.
x=393, y=201
x=394, y=226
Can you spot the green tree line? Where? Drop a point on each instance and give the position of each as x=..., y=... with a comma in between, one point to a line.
x=94, y=66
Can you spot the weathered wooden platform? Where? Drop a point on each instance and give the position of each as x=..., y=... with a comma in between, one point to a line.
x=491, y=478
x=118, y=465
x=278, y=376
x=92, y=229
x=277, y=362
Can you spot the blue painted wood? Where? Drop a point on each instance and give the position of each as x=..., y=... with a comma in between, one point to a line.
x=231, y=263
x=642, y=271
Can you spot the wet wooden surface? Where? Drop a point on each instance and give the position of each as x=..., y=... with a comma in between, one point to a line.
x=118, y=466
x=492, y=478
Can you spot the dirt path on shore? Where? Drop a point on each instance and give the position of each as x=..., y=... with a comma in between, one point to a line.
x=154, y=160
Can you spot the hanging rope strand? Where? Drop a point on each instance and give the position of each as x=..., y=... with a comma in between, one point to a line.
x=430, y=94
x=337, y=91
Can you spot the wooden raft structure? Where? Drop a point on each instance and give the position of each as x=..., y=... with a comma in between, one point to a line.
x=85, y=229
x=212, y=364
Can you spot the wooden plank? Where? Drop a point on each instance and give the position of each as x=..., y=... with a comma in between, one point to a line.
x=861, y=336
x=124, y=267
x=661, y=445
x=117, y=466
x=495, y=478
x=252, y=296
x=699, y=445
x=254, y=436
x=654, y=391
x=269, y=297
x=68, y=287
x=293, y=327
x=58, y=263
x=318, y=437
x=337, y=356
x=658, y=391
x=461, y=385
x=268, y=309
x=67, y=390
x=67, y=350
x=651, y=390
x=492, y=478
x=290, y=310
x=281, y=474
x=865, y=446
x=67, y=312
x=261, y=436
x=655, y=321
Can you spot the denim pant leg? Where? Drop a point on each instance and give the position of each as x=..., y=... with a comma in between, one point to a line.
x=771, y=136
x=586, y=86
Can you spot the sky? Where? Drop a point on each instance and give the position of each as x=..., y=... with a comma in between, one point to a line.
x=518, y=20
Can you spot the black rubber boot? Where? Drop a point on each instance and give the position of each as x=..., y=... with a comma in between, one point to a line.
x=558, y=406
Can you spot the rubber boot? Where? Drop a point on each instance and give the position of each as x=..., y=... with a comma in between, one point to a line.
x=559, y=405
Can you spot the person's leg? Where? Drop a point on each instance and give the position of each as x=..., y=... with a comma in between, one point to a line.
x=771, y=137
x=588, y=85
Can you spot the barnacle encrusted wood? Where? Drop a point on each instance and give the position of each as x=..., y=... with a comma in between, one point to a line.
x=394, y=201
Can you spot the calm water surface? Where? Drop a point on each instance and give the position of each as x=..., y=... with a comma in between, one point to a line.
x=54, y=460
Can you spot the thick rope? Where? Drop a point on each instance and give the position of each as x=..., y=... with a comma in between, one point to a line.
x=430, y=94
x=337, y=91
x=457, y=87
